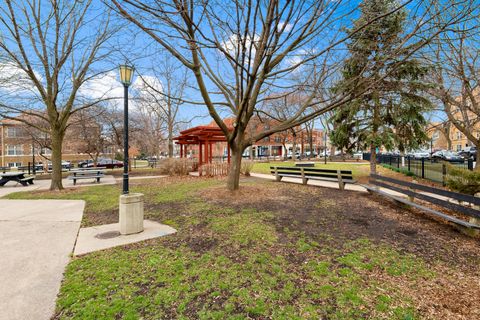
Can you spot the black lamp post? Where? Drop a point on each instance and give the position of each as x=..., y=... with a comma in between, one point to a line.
x=325, y=145
x=126, y=75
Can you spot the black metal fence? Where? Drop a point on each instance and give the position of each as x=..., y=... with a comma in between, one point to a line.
x=429, y=169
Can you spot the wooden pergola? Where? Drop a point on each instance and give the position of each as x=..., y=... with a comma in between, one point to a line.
x=204, y=137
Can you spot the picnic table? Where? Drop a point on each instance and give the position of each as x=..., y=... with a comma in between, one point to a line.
x=87, y=173
x=18, y=177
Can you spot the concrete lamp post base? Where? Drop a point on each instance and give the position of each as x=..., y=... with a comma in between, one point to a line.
x=131, y=213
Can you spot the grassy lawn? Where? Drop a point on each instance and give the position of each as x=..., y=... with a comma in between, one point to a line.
x=271, y=251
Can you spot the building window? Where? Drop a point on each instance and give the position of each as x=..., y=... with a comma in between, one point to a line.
x=267, y=127
x=266, y=139
x=459, y=135
x=14, y=164
x=435, y=135
x=14, y=150
x=11, y=132
x=278, y=139
x=45, y=151
x=459, y=147
x=14, y=132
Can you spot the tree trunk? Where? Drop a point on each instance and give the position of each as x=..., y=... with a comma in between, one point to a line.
x=170, y=142
x=57, y=141
x=233, y=180
x=373, y=159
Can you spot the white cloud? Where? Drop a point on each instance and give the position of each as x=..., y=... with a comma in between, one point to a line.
x=102, y=86
x=234, y=43
x=288, y=26
x=15, y=80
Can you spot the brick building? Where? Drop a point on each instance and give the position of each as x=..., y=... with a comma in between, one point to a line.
x=20, y=144
x=272, y=146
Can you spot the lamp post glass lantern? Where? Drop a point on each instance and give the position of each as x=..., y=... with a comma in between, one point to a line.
x=126, y=75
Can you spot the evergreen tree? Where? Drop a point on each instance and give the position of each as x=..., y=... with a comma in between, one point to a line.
x=391, y=113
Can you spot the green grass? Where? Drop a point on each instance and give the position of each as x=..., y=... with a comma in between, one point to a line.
x=100, y=199
x=358, y=170
x=230, y=262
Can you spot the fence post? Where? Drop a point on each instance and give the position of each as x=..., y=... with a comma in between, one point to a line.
x=444, y=173
x=408, y=163
x=398, y=162
x=28, y=167
x=304, y=180
x=423, y=168
x=470, y=164
x=390, y=160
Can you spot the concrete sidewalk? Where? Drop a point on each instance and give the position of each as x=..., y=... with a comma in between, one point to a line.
x=36, y=241
x=40, y=184
x=318, y=183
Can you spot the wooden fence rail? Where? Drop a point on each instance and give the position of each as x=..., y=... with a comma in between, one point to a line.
x=214, y=169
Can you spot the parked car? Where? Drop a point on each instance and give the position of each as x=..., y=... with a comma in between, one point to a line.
x=311, y=154
x=66, y=165
x=469, y=153
x=106, y=163
x=421, y=154
x=357, y=155
x=84, y=163
x=446, y=155
x=290, y=155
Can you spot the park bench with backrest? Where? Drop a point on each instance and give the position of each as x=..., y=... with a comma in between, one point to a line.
x=406, y=193
x=341, y=176
x=87, y=173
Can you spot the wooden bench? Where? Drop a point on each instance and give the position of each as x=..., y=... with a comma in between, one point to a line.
x=305, y=164
x=457, y=202
x=96, y=175
x=340, y=176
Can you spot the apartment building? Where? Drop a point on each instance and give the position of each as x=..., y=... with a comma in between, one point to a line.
x=20, y=145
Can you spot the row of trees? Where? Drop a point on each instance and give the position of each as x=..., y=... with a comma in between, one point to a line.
x=239, y=54
x=393, y=113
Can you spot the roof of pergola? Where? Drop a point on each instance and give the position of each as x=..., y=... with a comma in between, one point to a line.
x=195, y=135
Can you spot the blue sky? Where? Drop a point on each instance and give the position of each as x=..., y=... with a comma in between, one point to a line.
x=131, y=44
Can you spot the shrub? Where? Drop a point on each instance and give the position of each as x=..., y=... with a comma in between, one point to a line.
x=176, y=167
x=462, y=180
x=246, y=168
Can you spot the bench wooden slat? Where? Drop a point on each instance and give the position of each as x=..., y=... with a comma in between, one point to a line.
x=312, y=170
x=449, y=205
x=446, y=193
x=318, y=178
x=84, y=177
x=312, y=174
x=423, y=208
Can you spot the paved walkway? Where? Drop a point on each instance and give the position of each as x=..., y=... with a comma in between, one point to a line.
x=319, y=183
x=45, y=185
x=36, y=241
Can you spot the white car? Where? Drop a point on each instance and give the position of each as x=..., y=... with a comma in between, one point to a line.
x=421, y=154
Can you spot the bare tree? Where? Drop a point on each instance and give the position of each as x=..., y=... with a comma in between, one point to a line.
x=91, y=127
x=51, y=48
x=457, y=75
x=240, y=52
x=161, y=95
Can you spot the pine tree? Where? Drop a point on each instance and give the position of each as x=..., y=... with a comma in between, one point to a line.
x=390, y=114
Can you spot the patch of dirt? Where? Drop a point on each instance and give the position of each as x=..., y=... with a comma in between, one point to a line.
x=331, y=217
x=99, y=218
x=328, y=213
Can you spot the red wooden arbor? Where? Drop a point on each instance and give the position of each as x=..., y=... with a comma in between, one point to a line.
x=204, y=137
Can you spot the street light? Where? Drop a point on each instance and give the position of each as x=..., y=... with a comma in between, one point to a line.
x=131, y=204
x=126, y=75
